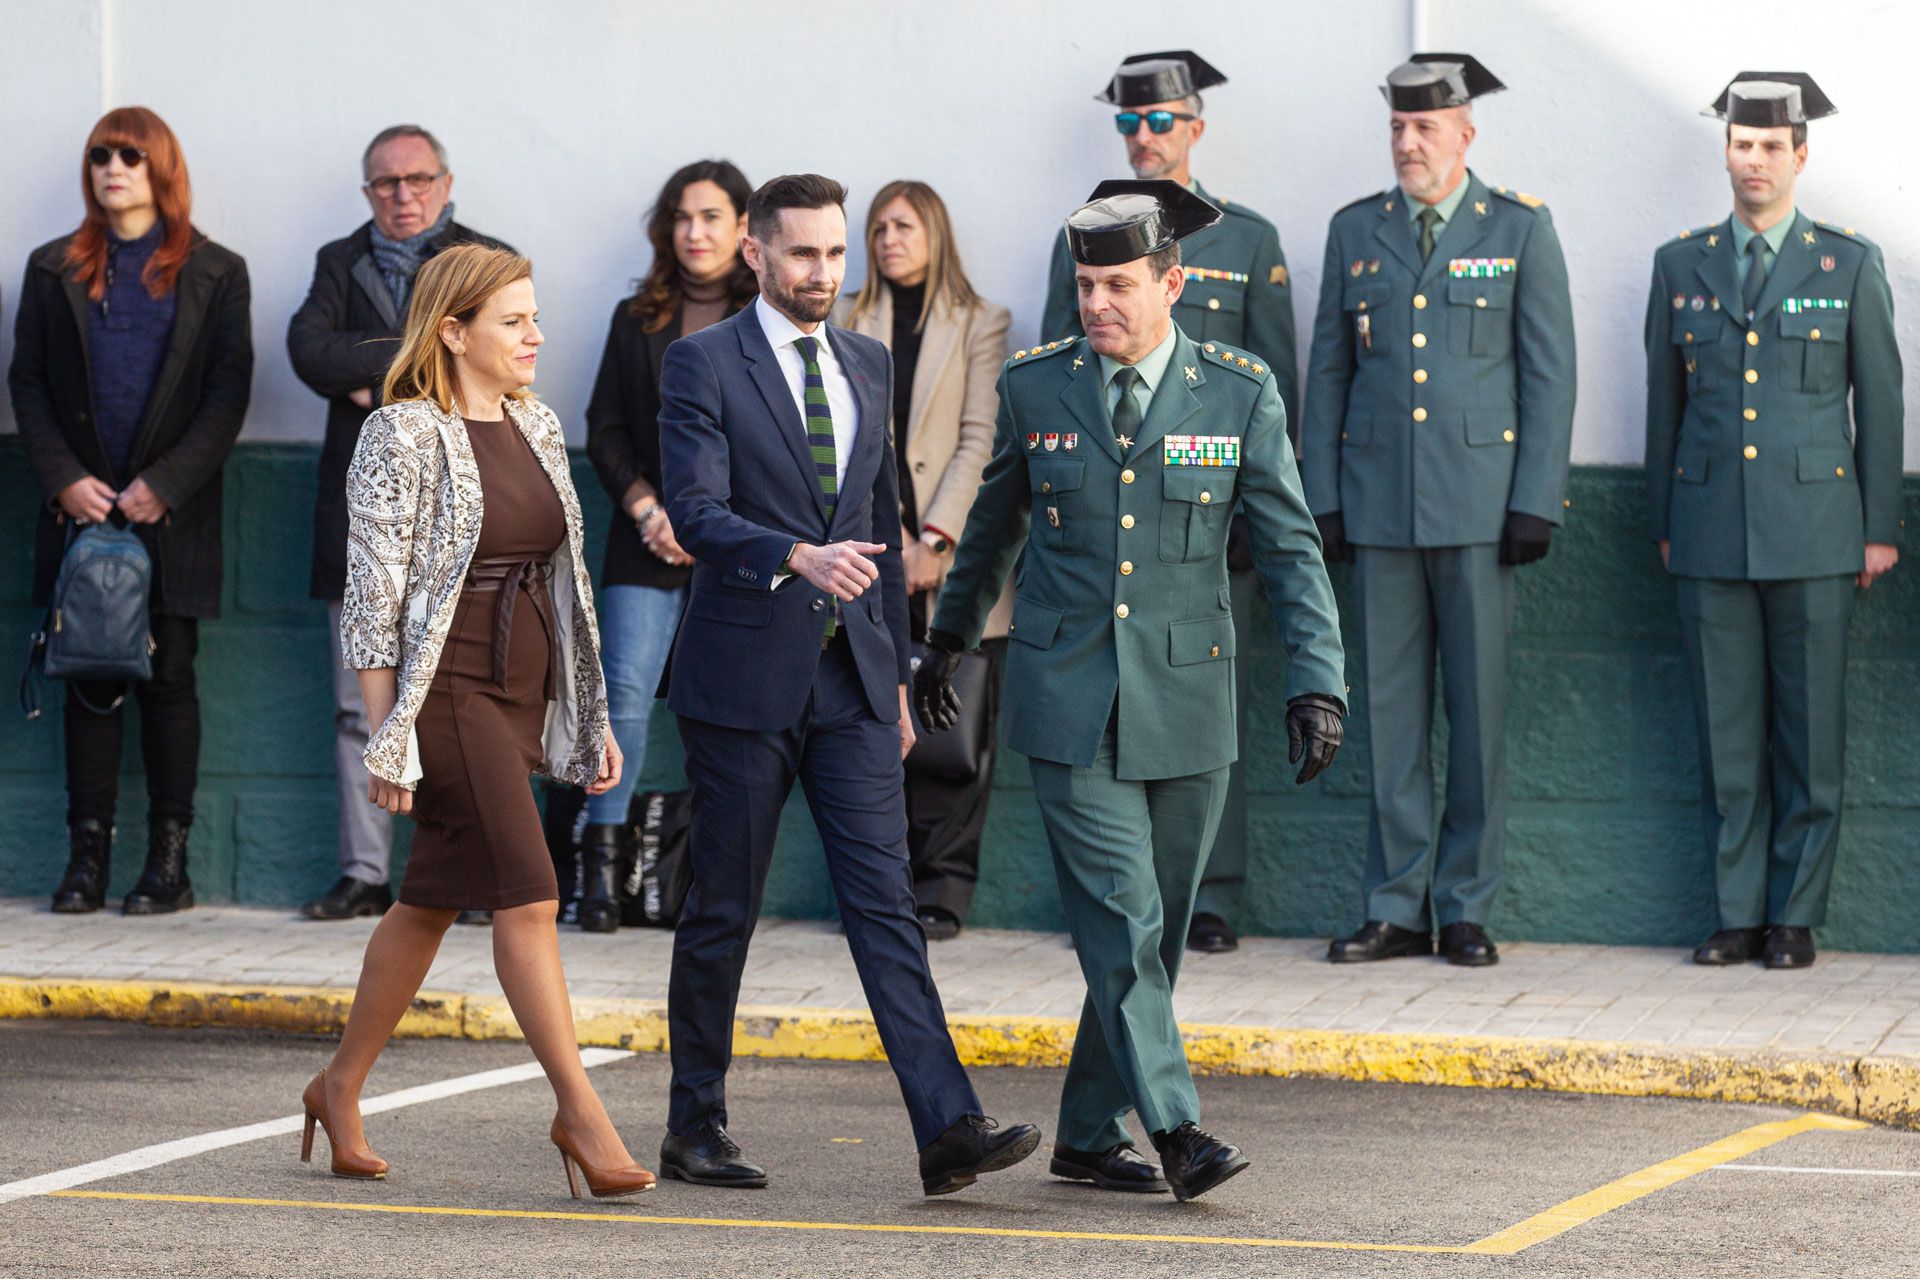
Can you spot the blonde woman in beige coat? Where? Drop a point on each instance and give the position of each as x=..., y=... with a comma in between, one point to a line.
x=948, y=347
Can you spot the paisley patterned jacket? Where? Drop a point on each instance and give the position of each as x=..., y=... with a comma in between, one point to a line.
x=414, y=505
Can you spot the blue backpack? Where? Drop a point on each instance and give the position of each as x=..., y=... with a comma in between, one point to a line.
x=97, y=627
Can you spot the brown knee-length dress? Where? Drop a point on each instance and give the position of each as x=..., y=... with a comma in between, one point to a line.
x=478, y=843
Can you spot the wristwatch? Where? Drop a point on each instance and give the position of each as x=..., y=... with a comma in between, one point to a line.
x=938, y=543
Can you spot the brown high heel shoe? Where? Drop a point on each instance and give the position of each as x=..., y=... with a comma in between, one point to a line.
x=362, y=1165
x=605, y=1183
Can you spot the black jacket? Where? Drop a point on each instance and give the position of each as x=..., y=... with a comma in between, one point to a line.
x=341, y=339
x=623, y=442
x=192, y=417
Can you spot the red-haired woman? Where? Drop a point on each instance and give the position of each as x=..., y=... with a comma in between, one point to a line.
x=131, y=369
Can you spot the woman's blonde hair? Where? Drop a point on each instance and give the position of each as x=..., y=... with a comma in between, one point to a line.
x=947, y=283
x=454, y=283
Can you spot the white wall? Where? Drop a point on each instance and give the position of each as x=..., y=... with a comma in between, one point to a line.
x=562, y=121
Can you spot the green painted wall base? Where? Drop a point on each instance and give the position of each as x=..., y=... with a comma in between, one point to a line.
x=1604, y=841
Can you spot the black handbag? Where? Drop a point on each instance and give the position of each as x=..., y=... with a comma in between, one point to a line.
x=97, y=626
x=954, y=754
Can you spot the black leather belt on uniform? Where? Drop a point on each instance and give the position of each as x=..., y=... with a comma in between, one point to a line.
x=506, y=575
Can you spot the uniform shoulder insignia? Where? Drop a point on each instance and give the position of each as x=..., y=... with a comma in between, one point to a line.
x=1695, y=233
x=1520, y=198
x=1041, y=350
x=1239, y=361
x=1363, y=200
x=1241, y=211
x=1835, y=228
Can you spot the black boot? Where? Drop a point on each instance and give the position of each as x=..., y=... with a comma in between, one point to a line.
x=83, y=889
x=163, y=887
x=599, y=869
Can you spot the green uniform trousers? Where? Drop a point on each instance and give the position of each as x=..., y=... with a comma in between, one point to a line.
x=1458, y=599
x=1769, y=663
x=1224, y=887
x=1128, y=855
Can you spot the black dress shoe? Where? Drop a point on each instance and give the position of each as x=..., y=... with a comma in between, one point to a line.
x=1379, y=940
x=1789, y=947
x=599, y=869
x=83, y=889
x=349, y=899
x=163, y=887
x=1468, y=946
x=1195, y=1161
x=975, y=1144
x=938, y=924
x=1211, y=935
x=708, y=1157
x=1120, y=1168
x=1730, y=946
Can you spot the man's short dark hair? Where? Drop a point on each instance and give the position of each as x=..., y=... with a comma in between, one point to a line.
x=1796, y=132
x=394, y=131
x=791, y=191
x=1164, y=260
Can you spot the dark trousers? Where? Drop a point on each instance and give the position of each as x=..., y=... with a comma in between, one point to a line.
x=946, y=818
x=169, y=733
x=848, y=762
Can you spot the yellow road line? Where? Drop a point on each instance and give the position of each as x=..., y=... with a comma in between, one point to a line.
x=1561, y=1218
x=749, y=1223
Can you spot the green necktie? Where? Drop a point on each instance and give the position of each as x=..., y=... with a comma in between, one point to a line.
x=820, y=442
x=1126, y=413
x=1756, y=281
x=1429, y=231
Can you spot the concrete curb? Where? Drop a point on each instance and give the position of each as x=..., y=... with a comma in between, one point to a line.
x=1883, y=1089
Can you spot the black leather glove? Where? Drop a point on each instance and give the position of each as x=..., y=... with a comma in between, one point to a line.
x=1315, y=729
x=1335, y=548
x=1525, y=538
x=933, y=697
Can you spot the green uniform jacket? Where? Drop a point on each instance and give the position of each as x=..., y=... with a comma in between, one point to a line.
x=1440, y=397
x=1238, y=294
x=1123, y=584
x=1752, y=472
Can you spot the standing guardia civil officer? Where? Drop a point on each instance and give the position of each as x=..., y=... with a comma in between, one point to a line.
x=1237, y=295
x=1770, y=507
x=1434, y=450
x=1116, y=462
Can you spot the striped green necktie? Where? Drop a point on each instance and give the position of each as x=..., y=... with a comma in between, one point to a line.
x=820, y=423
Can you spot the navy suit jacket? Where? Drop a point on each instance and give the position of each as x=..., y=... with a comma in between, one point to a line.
x=741, y=489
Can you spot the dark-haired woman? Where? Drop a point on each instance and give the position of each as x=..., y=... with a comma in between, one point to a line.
x=131, y=370
x=697, y=279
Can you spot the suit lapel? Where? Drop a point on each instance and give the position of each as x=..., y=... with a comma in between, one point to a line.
x=1794, y=263
x=937, y=343
x=869, y=394
x=374, y=285
x=1720, y=273
x=1173, y=400
x=463, y=474
x=1463, y=230
x=1395, y=231
x=764, y=367
x=194, y=290
x=1086, y=398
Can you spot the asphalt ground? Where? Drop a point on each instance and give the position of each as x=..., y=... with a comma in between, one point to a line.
x=1566, y=1184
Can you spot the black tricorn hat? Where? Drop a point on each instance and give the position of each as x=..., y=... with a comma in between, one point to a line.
x=1436, y=81
x=1159, y=77
x=1771, y=100
x=1127, y=218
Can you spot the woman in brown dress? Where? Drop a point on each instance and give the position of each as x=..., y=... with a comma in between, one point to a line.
x=469, y=617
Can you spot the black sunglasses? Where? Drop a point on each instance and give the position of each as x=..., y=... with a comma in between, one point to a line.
x=1128, y=122
x=101, y=157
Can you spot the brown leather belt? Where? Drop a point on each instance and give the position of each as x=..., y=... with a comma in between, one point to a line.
x=506, y=575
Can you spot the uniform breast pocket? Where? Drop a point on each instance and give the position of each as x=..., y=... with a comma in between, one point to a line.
x=1814, y=349
x=1366, y=303
x=1056, y=501
x=1213, y=310
x=1480, y=316
x=1197, y=503
x=1696, y=337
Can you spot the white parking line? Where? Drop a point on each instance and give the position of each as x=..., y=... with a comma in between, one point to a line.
x=187, y=1147
x=1823, y=1172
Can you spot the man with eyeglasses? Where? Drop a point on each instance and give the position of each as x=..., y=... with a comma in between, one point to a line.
x=1238, y=295
x=341, y=340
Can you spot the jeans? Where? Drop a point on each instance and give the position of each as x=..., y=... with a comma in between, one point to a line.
x=169, y=733
x=366, y=832
x=637, y=625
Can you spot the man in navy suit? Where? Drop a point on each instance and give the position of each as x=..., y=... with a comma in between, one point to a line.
x=792, y=662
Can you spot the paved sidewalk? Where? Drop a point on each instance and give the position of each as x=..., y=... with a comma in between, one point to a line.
x=1274, y=1006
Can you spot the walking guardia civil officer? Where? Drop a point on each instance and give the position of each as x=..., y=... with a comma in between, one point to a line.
x=1238, y=295
x=1116, y=463
x=1434, y=450
x=1771, y=506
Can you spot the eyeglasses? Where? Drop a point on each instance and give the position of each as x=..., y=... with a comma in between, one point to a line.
x=101, y=157
x=417, y=184
x=1128, y=122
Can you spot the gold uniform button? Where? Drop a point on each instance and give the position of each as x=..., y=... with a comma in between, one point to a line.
x=1479, y=301
x=1749, y=414
x=1126, y=567
x=1507, y=436
x=1753, y=375
x=1679, y=470
x=1419, y=301
x=1126, y=476
x=1126, y=521
x=1840, y=471
x=1419, y=415
x=1205, y=497
x=1419, y=339
x=1213, y=304
x=1046, y=486
x=1120, y=612
x=1689, y=337
x=1750, y=452
x=1753, y=339
x=1419, y=375
x=1210, y=348
x=1814, y=335
x=1214, y=651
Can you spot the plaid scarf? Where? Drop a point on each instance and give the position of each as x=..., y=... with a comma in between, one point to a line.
x=399, y=260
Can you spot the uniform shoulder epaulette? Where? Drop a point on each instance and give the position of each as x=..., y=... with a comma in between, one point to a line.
x=1240, y=210
x=1520, y=197
x=1835, y=228
x=1700, y=233
x=1219, y=356
x=1041, y=350
x=1365, y=199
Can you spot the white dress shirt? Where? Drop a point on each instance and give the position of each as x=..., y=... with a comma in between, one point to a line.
x=782, y=333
